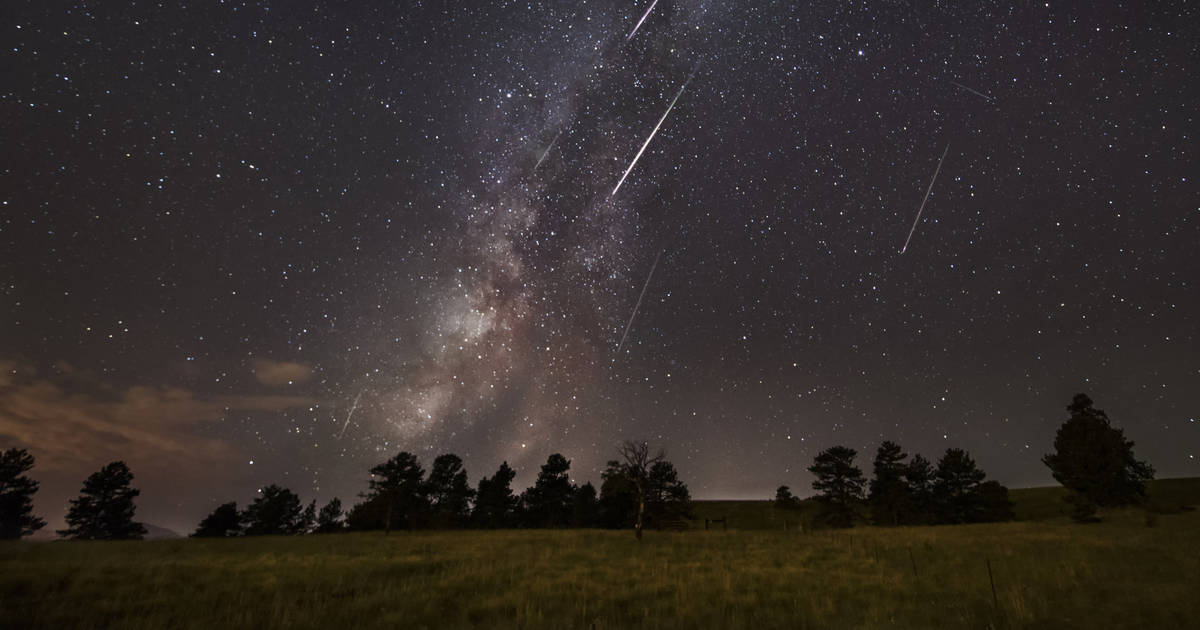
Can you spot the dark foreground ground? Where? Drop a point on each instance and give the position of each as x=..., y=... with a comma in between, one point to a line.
x=1133, y=570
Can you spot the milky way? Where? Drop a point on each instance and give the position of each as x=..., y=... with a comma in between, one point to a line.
x=250, y=244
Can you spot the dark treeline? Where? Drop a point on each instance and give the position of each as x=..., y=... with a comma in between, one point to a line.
x=902, y=491
x=634, y=492
x=1092, y=459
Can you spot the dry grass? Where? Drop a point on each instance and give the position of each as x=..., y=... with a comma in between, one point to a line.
x=1120, y=573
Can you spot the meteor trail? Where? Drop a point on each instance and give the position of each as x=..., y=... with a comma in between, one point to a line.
x=639, y=302
x=639, y=24
x=647, y=143
x=927, y=191
x=980, y=94
x=350, y=415
x=547, y=151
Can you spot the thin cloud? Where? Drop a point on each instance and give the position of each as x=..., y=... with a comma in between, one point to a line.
x=280, y=373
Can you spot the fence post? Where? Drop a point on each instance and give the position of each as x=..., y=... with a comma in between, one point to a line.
x=913, y=560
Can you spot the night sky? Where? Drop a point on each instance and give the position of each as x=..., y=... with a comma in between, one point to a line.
x=249, y=243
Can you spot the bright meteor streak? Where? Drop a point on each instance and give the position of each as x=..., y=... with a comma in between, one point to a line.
x=639, y=24
x=927, y=191
x=647, y=143
x=975, y=92
x=639, y=302
x=547, y=151
x=350, y=415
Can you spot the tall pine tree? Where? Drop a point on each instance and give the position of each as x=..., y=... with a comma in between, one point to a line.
x=397, y=495
x=548, y=502
x=104, y=509
x=495, y=503
x=919, y=475
x=16, y=495
x=890, y=498
x=1094, y=462
x=276, y=511
x=449, y=493
x=840, y=484
x=956, y=488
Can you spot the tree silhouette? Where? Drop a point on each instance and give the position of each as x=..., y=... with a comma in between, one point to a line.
x=840, y=484
x=889, y=497
x=667, y=498
x=548, y=502
x=104, y=509
x=16, y=495
x=368, y=514
x=784, y=499
x=495, y=503
x=223, y=522
x=308, y=518
x=396, y=486
x=637, y=463
x=276, y=511
x=585, y=508
x=1095, y=463
x=919, y=475
x=956, y=488
x=618, y=497
x=994, y=504
x=449, y=493
x=329, y=519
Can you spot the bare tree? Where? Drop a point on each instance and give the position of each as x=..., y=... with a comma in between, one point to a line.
x=637, y=464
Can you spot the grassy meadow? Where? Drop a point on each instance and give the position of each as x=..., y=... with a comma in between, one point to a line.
x=1132, y=570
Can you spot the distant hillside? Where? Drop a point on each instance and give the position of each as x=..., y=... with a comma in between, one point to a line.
x=1035, y=504
x=153, y=532
x=1030, y=504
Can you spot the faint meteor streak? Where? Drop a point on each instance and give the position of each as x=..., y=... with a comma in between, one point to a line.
x=639, y=24
x=547, y=151
x=638, y=305
x=350, y=415
x=656, y=127
x=927, y=191
x=975, y=92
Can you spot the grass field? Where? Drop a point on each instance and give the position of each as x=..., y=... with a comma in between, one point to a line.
x=1123, y=572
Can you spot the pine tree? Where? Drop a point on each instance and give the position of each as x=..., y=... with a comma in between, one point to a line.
x=585, y=507
x=785, y=500
x=223, y=522
x=276, y=511
x=890, y=498
x=618, y=497
x=495, y=504
x=397, y=492
x=16, y=495
x=104, y=509
x=548, y=502
x=308, y=518
x=956, y=488
x=448, y=491
x=840, y=484
x=919, y=475
x=667, y=498
x=994, y=503
x=329, y=519
x=1095, y=463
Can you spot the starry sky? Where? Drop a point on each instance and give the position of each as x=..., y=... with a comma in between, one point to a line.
x=251, y=242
